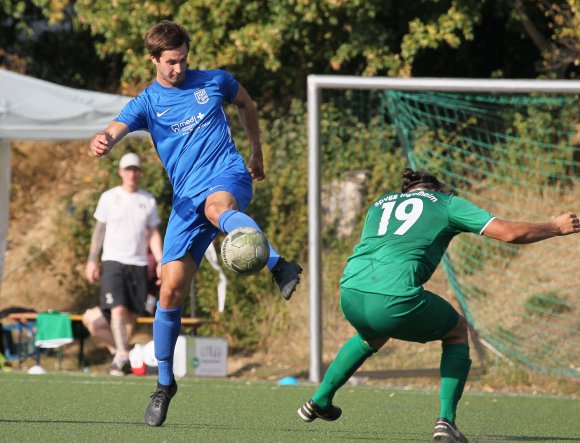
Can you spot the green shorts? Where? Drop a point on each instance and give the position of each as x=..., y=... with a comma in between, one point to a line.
x=421, y=318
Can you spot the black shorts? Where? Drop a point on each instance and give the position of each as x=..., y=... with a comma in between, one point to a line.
x=124, y=285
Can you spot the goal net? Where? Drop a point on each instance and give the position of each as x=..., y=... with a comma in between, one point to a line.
x=512, y=148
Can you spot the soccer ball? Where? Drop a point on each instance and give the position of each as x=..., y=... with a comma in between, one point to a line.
x=245, y=251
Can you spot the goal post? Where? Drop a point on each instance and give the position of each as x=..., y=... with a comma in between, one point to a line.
x=318, y=83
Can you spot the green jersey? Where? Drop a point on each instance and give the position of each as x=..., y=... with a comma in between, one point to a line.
x=404, y=238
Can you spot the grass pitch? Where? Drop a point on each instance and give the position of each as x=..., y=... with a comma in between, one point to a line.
x=80, y=408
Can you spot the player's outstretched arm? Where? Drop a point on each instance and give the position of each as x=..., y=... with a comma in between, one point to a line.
x=249, y=116
x=522, y=232
x=103, y=141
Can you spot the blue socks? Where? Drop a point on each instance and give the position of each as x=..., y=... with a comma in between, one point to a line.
x=166, y=327
x=232, y=219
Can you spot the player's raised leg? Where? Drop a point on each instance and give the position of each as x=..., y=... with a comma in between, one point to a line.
x=286, y=274
x=221, y=209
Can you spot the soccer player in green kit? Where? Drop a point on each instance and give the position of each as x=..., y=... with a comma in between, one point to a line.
x=381, y=292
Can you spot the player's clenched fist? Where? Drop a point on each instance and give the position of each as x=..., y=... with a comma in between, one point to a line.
x=567, y=223
x=100, y=144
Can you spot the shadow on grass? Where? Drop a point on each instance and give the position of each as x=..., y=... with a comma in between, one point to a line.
x=74, y=422
x=336, y=434
x=520, y=438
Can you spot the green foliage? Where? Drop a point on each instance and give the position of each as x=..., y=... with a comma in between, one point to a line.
x=40, y=38
x=279, y=207
x=280, y=201
x=564, y=50
x=470, y=253
x=39, y=257
x=510, y=154
x=546, y=305
x=452, y=28
x=505, y=335
x=121, y=27
x=476, y=253
x=271, y=46
x=534, y=146
x=489, y=138
x=475, y=293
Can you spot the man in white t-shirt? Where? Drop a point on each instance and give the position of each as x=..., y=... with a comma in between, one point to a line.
x=126, y=228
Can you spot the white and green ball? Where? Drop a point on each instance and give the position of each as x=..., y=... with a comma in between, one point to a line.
x=245, y=250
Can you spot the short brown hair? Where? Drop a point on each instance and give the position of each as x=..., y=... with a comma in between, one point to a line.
x=165, y=36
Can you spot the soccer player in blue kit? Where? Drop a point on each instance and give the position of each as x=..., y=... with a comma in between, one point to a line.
x=182, y=110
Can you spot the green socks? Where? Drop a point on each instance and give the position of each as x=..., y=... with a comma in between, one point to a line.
x=455, y=364
x=349, y=358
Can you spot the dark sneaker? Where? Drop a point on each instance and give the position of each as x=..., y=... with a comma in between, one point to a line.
x=156, y=411
x=310, y=412
x=287, y=276
x=447, y=432
x=120, y=368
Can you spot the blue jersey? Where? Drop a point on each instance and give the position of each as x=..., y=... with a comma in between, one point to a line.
x=189, y=128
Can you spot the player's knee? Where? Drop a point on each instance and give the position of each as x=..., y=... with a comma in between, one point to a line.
x=90, y=317
x=458, y=334
x=170, y=297
x=377, y=343
x=216, y=204
x=120, y=311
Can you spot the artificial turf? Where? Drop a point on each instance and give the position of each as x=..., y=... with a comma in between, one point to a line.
x=83, y=408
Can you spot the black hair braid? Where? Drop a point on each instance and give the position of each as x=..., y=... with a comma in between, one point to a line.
x=411, y=179
x=408, y=178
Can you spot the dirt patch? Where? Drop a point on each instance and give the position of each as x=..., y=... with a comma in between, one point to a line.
x=46, y=178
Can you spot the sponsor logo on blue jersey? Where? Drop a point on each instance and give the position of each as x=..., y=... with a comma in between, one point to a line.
x=188, y=125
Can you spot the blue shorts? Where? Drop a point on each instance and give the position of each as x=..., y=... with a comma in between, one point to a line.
x=188, y=230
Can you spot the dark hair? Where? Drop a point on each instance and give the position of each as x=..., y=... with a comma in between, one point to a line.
x=413, y=179
x=165, y=36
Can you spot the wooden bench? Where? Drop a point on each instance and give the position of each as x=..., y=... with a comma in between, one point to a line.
x=24, y=317
x=80, y=333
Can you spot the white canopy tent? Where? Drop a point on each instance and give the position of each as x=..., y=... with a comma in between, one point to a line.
x=33, y=109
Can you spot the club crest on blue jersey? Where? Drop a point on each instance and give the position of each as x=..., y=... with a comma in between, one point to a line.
x=201, y=96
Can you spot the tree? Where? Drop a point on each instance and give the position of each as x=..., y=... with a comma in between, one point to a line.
x=41, y=38
x=563, y=54
x=273, y=45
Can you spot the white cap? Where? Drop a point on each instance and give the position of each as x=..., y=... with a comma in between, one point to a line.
x=130, y=159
